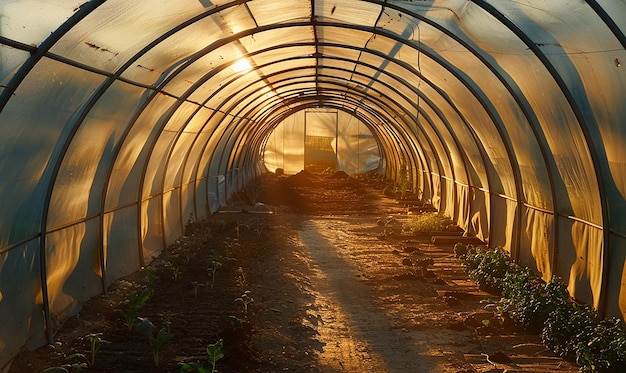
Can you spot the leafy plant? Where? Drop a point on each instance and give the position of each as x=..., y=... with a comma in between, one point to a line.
x=77, y=362
x=487, y=267
x=95, y=340
x=569, y=329
x=602, y=347
x=135, y=301
x=147, y=328
x=528, y=300
x=563, y=326
x=215, y=353
x=246, y=299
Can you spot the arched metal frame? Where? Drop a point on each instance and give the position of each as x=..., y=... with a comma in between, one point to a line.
x=397, y=127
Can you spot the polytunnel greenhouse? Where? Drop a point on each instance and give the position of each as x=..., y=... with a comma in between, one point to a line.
x=122, y=123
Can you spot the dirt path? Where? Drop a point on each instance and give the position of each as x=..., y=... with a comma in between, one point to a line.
x=356, y=330
x=369, y=320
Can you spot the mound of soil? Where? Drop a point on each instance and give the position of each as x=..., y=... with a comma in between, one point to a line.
x=301, y=179
x=339, y=175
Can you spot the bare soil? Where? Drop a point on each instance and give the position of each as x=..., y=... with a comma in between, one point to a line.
x=332, y=293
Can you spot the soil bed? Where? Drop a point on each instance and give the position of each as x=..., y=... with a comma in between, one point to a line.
x=331, y=294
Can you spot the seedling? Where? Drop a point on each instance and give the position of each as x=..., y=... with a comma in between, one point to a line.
x=231, y=244
x=235, y=322
x=196, y=285
x=238, y=229
x=167, y=319
x=135, y=302
x=150, y=277
x=175, y=270
x=215, y=353
x=147, y=328
x=77, y=362
x=193, y=367
x=95, y=341
x=241, y=278
x=246, y=299
x=215, y=265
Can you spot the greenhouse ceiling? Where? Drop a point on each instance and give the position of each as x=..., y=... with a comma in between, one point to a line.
x=121, y=119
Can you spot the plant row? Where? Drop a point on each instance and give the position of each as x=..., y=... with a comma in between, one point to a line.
x=131, y=310
x=566, y=327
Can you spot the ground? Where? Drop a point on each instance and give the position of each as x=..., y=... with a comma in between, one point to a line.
x=309, y=280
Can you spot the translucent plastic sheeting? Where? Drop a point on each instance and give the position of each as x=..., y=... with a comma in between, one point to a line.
x=73, y=275
x=508, y=114
x=31, y=138
x=107, y=38
x=32, y=21
x=120, y=243
x=10, y=59
x=356, y=139
x=356, y=149
x=284, y=148
x=21, y=304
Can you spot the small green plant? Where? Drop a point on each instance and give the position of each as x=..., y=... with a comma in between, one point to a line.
x=390, y=224
x=425, y=223
x=238, y=230
x=404, y=184
x=190, y=225
x=195, y=285
x=235, y=322
x=77, y=362
x=147, y=328
x=193, y=367
x=259, y=228
x=460, y=249
x=215, y=353
x=231, y=245
x=215, y=265
x=246, y=299
x=95, y=341
x=167, y=319
x=188, y=255
x=241, y=278
x=175, y=269
x=150, y=277
x=135, y=301
x=390, y=190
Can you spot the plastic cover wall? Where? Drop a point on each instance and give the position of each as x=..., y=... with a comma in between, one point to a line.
x=119, y=120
